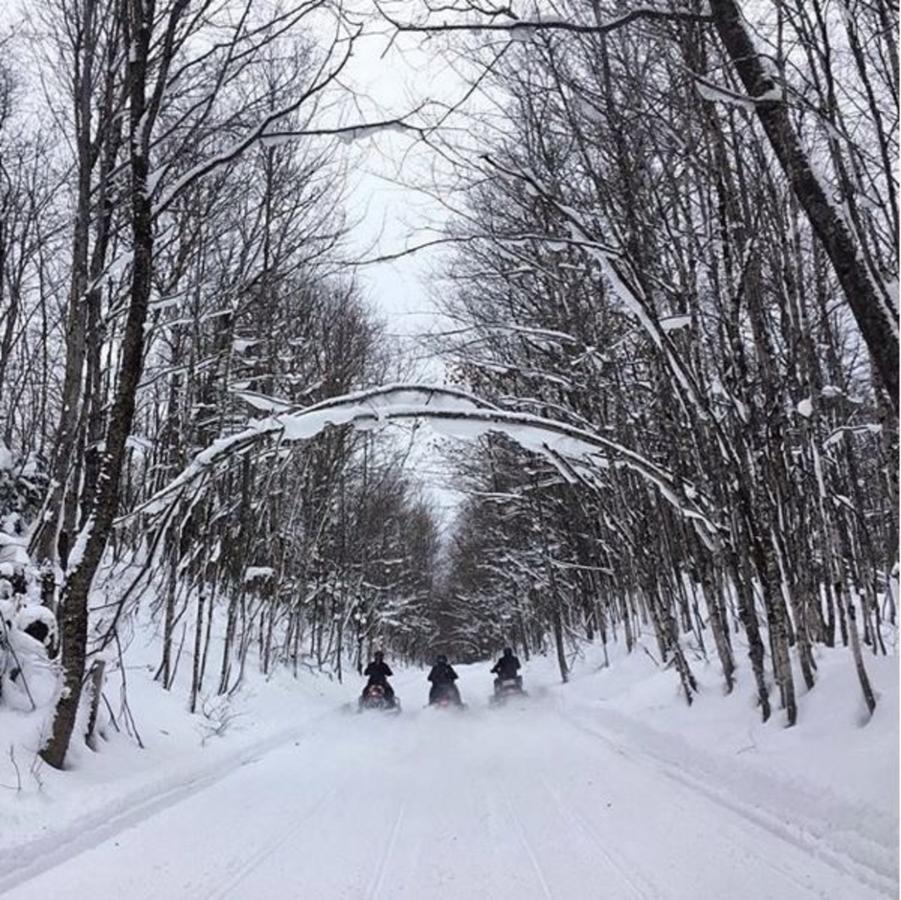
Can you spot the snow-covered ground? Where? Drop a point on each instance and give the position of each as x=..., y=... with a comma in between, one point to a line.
x=606, y=787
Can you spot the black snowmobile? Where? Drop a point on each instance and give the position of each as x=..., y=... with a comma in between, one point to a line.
x=506, y=689
x=508, y=682
x=443, y=691
x=445, y=694
x=375, y=697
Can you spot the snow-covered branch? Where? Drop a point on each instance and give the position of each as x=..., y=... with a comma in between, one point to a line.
x=452, y=413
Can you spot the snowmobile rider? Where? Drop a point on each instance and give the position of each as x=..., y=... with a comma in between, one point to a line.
x=379, y=672
x=507, y=667
x=442, y=677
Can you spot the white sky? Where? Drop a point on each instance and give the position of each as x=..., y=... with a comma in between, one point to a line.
x=395, y=215
x=390, y=214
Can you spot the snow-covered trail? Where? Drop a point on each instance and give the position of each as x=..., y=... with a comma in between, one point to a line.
x=520, y=802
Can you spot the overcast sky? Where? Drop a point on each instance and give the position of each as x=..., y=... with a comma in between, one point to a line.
x=395, y=215
x=390, y=214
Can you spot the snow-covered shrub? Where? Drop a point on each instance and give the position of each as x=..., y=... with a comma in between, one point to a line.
x=23, y=483
x=29, y=641
x=29, y=634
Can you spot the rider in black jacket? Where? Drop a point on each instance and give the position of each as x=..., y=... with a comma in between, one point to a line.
x=378, y=672
x=507, y=667
x=443, y=677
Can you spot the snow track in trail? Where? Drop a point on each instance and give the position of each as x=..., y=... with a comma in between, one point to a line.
x=519, y=803
x=374, y=891
x=527, y=846
x=571, y=814
x=234, y=876
x=135, y=806
x=851, y=858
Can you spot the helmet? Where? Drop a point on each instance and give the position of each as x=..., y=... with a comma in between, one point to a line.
x=441, y=658
x=508, y=651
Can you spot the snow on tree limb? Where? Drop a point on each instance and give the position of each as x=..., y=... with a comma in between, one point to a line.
x=344, y=133
x=325, y=77
x=615, y=268
x=524, y=29
x=452, y=413
x=718, y=94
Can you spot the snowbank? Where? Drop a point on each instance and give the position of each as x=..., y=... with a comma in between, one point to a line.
x=830, y=782
x=48, y=815
x=828, y=786
x=833, y=746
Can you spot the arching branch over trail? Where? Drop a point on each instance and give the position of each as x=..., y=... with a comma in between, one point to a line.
x=451, y=412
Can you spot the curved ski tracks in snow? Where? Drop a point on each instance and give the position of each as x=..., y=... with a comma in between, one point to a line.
x=852, y=860
x=529, y=802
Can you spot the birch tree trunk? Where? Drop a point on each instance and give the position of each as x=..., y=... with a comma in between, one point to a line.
x=869, y=301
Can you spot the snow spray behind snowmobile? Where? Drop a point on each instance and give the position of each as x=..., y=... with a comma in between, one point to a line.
x=445, y=694
x=506, y=689
x=443, y=691
x=508, y=682
x=375, y=697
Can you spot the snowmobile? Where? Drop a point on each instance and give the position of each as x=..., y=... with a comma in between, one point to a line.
x=506, y=688
x=445, y=694
x=376, y=697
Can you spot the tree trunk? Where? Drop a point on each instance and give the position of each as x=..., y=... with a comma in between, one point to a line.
x=198, y=649
x=44, y=545
x=558, y=643
x=870, y=304
x=95, y=533
x=96, y=680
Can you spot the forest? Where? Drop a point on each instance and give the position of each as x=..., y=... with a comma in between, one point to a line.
x=665, y=313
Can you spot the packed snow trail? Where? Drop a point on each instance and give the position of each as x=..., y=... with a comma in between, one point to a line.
x=519, y=802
